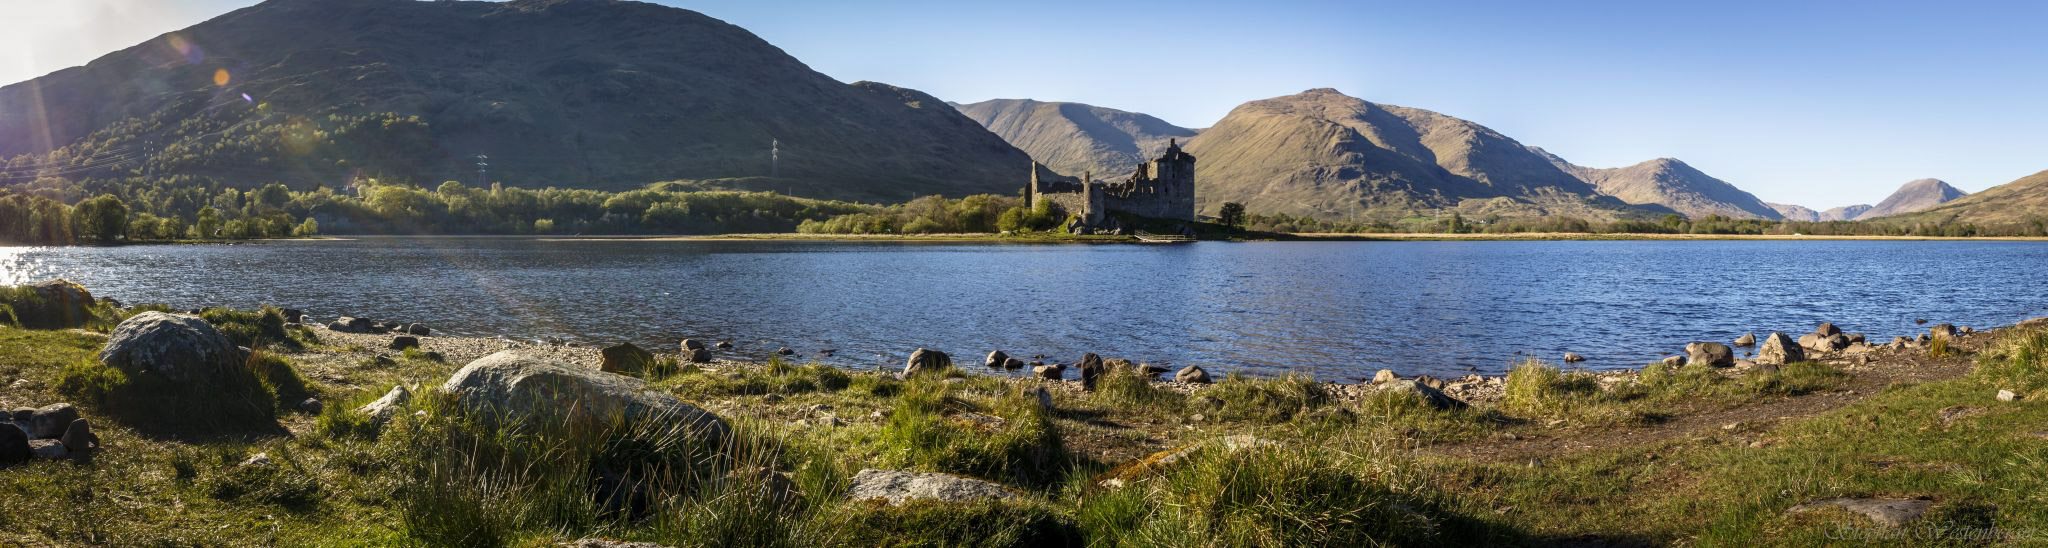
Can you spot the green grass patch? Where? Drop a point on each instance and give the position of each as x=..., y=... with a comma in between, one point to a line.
x=1007, y=437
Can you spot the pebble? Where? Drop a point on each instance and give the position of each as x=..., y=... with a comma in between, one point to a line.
x=2007, y=395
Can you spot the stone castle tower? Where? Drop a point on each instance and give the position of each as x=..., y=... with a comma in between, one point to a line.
x=1163, y=188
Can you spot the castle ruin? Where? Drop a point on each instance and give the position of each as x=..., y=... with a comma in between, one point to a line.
x=1163, y=188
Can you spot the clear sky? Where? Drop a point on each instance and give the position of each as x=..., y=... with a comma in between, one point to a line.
x=1816, y=103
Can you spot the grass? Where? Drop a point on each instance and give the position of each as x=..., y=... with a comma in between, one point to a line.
x=1329, y=471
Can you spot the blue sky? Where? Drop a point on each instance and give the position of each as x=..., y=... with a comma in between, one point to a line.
x=1816, y=103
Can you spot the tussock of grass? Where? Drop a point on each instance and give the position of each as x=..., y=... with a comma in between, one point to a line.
x=1024, y=449
x=1297, y=493
x=1539, y=390
x=927, y=523
x=1268, y=400
x=1128, y=388
x=263, y=328
x=777, y=377
x=233, y=401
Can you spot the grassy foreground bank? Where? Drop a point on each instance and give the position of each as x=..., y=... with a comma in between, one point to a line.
x=1670, y=455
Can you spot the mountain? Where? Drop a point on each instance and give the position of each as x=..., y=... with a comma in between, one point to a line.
x=1792, y=212
x=1845, y=213
x=1073, y=138
x=593, y=93
x=1918, y=195
x=2021, y=202
x=1323, y=154
x=1670, y=183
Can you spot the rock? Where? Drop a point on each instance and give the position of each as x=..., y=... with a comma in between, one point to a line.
x=1192, y=374
x=1778, y=349
x=51, y=420
x=22, y=415
x=1857, y=338
x=79, y=437
x=1042, y=396
x=381, y=360
x=1835, y=342
x=1885, y=512
x=312, y=406
x=179, y=348
x=1152, y=370
x=1384, y=376
x=14, y=447
x=1966, y=330
x=1747, y=339
x=382, y=410
x=995, y=359
x=1673, y=361
x=48, y=449
x=293, y=315
x=1943, y=331
x=692, y=344
x=2007, y=395
x=1049, y=372
x=925, y=360
x=540, y=391
x=1710, y=353
x=898, y=487
x=1091, y=368
x=626, y=359
x=1432, y=396
x=1827, y=329
x=1013, y=364
x=1431, y=381
x=1573, y=357
x=403, y=342
x=346, y=324
x=1810, y=341
x=700, y=355
x=725, y=345
x=1949, y=415
x=1899, y=343
x=58, y=304
x=418, y=329
x=259, y=459
x=784, y=351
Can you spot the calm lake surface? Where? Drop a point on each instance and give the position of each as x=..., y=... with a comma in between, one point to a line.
x=1340, y=310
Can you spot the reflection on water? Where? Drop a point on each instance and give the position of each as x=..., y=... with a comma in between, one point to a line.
x=1338, y=309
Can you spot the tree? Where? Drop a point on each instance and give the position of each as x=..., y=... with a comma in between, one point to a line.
x=1232, y=215
x=208, y=224
x=104, y=218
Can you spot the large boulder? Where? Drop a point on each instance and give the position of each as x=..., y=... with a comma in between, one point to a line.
x=924, y=360
x=1827, y=329
x=53, y=304
x=898, y=487
x=1191, y=375
x=540, y=391
x=1779, y=349
x=1710, y=353
x=179, y=348
x=626, y=359
x=347, y=324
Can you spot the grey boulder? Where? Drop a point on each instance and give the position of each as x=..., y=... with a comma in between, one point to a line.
x=1710, y=353
x=898, y=487
x=537, y=390
x=180, y=348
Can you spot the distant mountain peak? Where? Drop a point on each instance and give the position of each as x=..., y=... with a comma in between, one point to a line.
x=1914, y=196
x=1671, y=183
x=1075, y=138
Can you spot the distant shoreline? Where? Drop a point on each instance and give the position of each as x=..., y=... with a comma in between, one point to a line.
x=1049, y=239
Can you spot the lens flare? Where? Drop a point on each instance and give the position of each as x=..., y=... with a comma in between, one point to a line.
x=221, y=77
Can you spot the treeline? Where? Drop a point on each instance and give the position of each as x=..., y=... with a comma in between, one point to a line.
x=980, y=213
x=180, y=209
x=1454, y=223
